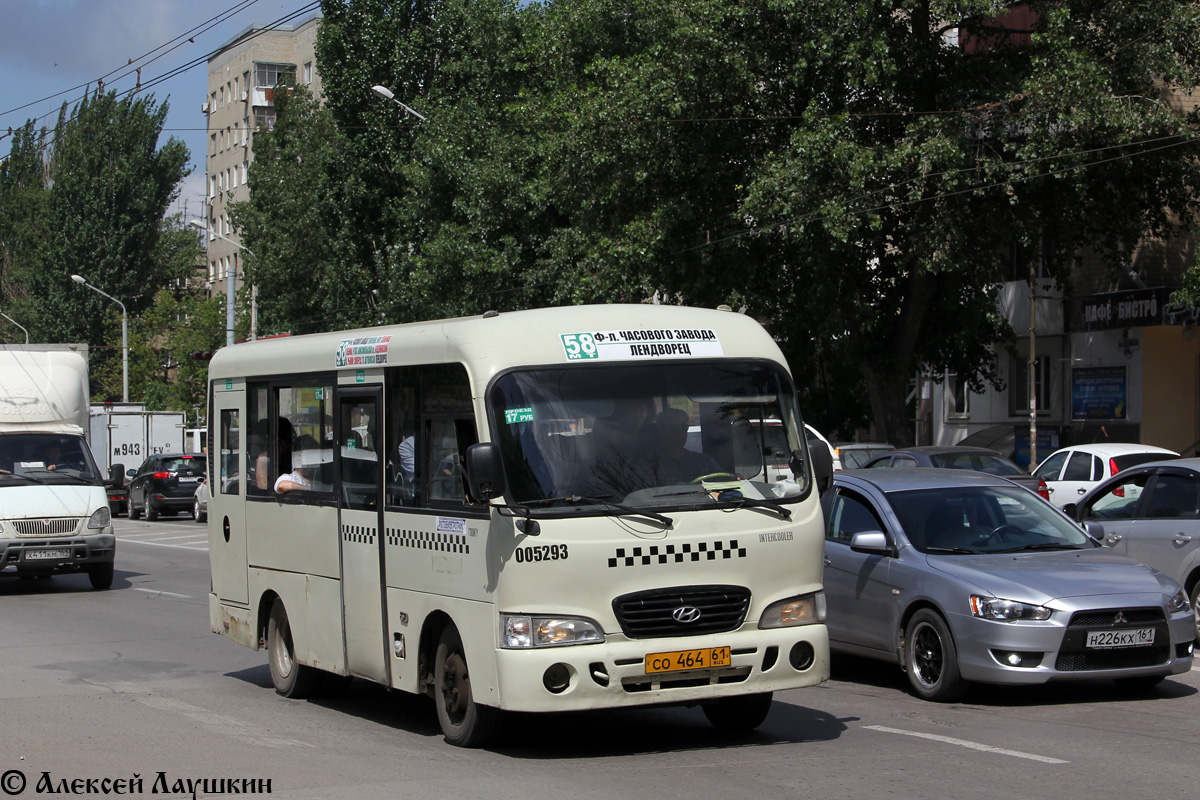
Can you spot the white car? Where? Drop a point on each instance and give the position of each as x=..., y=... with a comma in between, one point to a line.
x=1072, y=472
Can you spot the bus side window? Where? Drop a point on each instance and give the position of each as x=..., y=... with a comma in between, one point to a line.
x=448, y=442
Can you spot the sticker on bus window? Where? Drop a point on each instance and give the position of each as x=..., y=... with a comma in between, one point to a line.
x=654, y=343
x=515, y=415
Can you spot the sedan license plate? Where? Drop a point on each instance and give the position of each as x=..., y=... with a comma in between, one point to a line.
x=46, y=555
x=679, y=660
x=189, y=480
x=1108, y=640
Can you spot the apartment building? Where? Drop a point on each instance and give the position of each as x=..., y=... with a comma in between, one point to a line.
x=242, y=77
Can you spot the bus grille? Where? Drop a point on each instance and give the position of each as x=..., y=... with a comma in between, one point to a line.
x=645, y=615
x=46, y=527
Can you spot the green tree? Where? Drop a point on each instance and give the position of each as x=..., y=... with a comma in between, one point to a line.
x=847, y=173
x=104, y=186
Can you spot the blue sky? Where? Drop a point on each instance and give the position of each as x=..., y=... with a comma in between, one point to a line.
x=50, y=47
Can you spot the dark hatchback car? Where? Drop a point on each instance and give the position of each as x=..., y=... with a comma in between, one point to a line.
x=165, y=484
x=977, y=459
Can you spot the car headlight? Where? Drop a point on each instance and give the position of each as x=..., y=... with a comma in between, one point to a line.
x=996, y=608
x=1179, y=603
x=519, y=631
x=101, y=518
x=806, y=609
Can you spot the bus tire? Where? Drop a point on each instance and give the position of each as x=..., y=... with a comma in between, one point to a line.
x=738, y=714
x=464, y=722
x=290, y=678
x=101, y=575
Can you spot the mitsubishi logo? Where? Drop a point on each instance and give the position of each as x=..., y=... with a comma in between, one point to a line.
x=686, y=614
x=1120, y=618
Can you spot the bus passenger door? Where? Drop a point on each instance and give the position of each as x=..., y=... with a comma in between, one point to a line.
x=226, y=493
x=360, y=509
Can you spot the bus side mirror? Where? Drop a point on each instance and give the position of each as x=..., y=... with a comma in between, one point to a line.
x=822, y=462
x=485, y=475
x=116, y=474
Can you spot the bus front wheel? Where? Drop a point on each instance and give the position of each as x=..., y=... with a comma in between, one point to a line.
x=464, y=722
x=290, y=678
x=738, y=714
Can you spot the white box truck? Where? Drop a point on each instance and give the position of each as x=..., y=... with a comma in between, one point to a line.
x=124, y=435
x=54, y=513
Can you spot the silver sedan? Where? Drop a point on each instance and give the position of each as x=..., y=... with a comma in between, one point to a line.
x=963, y=577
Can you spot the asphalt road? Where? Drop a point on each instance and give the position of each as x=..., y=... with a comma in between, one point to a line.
x=109, y=685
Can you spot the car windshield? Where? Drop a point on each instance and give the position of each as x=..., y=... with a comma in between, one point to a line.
x=980, y=462
x=983, y=519
x=46, y=458
x=667, y=435
x=853, y=458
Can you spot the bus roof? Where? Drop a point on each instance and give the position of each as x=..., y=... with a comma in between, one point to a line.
x=493, y=342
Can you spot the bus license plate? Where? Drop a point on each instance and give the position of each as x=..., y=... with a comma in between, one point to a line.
x=46, y=555
x=1108, y=640
x=679, y=660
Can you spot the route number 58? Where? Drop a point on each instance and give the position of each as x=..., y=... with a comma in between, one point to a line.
x=579, y=346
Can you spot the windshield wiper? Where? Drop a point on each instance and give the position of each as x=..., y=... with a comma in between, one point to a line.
x=526, y=507
x=726, y=500
x=1040, y=546
x=958, y=551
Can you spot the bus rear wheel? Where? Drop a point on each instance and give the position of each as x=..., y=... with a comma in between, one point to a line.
x=464, y=722
x=290, y=678
x=738, y=714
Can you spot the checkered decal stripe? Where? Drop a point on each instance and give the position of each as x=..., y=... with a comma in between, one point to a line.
x=428, y=540
x=669, y=553
x=358, y=533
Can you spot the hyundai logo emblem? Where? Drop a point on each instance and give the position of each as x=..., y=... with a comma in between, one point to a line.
x=686, y=614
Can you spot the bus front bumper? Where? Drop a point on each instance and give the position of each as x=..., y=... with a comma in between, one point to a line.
x=615, y=673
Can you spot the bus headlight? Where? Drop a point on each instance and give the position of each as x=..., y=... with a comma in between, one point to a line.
x=101, y=518
x=806, y=609
x=518, y=631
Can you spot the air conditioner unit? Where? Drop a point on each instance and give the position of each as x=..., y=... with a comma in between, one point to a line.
x=204, y=107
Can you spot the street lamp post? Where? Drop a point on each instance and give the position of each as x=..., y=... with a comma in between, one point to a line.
x=387, y=94
x=230, y=283
x=19, y=325
x=124, y=336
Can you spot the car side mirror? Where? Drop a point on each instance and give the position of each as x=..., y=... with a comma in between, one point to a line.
x=872, y=542
x=116, y=475
x=1069, y=510
x=1094, y=530
x=131, y=472
x=484, y=472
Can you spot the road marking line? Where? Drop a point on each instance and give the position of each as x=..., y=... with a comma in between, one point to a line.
x=163, y=594
x=158, y=544
x=970, y=745
x=185, y=536
x=219, y=723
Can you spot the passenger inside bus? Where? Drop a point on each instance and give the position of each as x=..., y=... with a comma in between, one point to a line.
x=262, y=463
x=617, y=447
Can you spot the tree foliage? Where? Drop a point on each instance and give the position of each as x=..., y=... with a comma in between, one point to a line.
x=860, y=176
x=89, y=198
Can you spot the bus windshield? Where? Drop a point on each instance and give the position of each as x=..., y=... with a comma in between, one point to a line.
x=669, y=435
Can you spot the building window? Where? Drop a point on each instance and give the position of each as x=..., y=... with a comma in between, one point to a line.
x=307, y=72
x=268, y=75
x=958, y=397
x=1018, y=392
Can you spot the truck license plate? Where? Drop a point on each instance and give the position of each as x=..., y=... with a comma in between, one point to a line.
x=1109, y=640
x=679, y=660
x=46, y=555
